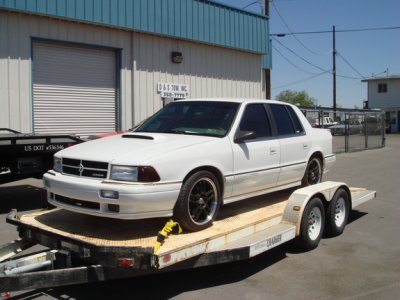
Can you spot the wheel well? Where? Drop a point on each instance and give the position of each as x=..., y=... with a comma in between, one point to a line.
x=327, y=201
x=217, y=173
x=347, y=190
x=318, y=155
x=320, y=196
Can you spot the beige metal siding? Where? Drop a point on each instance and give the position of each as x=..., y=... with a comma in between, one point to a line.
x=209, y=71
x=73, y=89
x=16, y=33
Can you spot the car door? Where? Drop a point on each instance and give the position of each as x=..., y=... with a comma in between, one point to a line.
x=293, y=141
x=256, y=161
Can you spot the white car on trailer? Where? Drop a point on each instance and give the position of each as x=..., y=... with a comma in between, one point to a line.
x=190, y=158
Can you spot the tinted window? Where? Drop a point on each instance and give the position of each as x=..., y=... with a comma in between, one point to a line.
x=210, y=118
x=295, y=118
x=282, y=119
x=255, y=119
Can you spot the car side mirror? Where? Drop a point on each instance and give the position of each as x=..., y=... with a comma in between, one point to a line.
x=243, y=136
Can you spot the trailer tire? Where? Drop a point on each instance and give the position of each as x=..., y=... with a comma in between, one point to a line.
x=198, y=202
x=312, y=225
x=337, y=213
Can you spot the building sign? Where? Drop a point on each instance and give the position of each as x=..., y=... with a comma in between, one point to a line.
x=173, y=90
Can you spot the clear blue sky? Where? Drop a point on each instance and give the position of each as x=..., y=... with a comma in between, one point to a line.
x=360, y=54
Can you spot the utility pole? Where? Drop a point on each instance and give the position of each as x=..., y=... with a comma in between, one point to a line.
x=334, y=71
x=267, y=71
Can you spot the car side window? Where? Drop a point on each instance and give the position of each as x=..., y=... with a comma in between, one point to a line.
x=255, y=119
x=287, y=122
x=296, y=121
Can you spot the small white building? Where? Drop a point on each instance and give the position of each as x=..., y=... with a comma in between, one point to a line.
x=92, y=66
x=384, y=93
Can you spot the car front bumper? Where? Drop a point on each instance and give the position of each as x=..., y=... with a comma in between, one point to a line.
x=134, y=200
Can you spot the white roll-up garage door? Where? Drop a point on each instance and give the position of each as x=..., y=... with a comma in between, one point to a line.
x=74, y=89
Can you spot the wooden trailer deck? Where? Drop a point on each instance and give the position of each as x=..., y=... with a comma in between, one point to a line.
x=254, y=214
x=109, y=240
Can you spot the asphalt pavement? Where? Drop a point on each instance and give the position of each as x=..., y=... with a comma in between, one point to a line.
x=362, y=263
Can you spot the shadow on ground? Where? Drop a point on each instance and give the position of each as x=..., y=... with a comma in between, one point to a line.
x=21, y=197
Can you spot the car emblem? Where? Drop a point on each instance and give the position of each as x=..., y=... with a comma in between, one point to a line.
x=81, y=168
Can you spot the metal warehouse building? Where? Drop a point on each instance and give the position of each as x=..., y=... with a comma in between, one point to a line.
x=91, y=66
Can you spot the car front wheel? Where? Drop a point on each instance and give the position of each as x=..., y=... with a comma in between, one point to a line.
x=313, y=174
x=198, y=202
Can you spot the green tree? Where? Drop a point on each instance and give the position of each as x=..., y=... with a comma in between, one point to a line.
x=296, y=98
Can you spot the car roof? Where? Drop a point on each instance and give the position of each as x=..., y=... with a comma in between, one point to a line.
x=235, y=100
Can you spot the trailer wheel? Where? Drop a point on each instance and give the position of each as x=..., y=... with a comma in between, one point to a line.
x=313, y=174
x=337, y=213
x=312, y=225
x=198, y=202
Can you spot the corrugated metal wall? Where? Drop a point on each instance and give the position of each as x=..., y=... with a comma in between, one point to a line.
x=16, y=34
x=209, y=71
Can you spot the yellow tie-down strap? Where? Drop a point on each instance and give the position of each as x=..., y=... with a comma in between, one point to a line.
x=165, y=232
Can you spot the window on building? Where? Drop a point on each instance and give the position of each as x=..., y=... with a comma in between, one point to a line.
x=382, y=88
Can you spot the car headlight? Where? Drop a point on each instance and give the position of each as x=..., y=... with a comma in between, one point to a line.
x=124, y=173
x=57, y=165
x=134, y=174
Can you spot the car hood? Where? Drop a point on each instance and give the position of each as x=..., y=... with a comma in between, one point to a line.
x=132, y=148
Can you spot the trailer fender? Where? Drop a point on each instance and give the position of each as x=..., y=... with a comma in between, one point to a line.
x=299, y=199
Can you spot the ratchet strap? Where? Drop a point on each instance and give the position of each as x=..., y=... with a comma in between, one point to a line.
x=163, y=234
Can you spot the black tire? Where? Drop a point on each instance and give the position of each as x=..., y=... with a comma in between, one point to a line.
x=314, y=171
x=312, y=225
x=198, y=202
x=337, y=213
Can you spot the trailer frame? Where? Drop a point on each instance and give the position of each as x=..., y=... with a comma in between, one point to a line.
x=70, y=259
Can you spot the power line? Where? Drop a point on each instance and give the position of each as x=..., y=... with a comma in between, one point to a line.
x=291, y=63
x=250, y=4
x=302, y=58
x=315, y=66
x=349, y=64
x=299, y=81
x=287, y=26
x=330, y=31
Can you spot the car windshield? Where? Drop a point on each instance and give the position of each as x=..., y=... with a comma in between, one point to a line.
x=208, y=118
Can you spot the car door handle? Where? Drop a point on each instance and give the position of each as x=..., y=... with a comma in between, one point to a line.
x=273, y=151
x=306, y=146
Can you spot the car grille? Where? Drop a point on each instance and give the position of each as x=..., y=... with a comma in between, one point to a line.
x=75, y=202
x=84, y=168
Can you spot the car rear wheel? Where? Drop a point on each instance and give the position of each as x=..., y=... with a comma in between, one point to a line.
x=313, y=174
x=198, y=202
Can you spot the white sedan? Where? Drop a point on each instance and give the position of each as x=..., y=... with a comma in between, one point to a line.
x=189, y=159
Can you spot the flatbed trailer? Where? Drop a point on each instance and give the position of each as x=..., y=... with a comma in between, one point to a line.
x=82, y=248
x=24, y=155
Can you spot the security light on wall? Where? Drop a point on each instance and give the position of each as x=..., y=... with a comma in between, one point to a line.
x=176, y=57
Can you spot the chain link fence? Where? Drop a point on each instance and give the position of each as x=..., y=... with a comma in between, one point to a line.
x=351, y=130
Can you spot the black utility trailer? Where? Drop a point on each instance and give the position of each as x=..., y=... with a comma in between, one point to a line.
x=29, y=155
